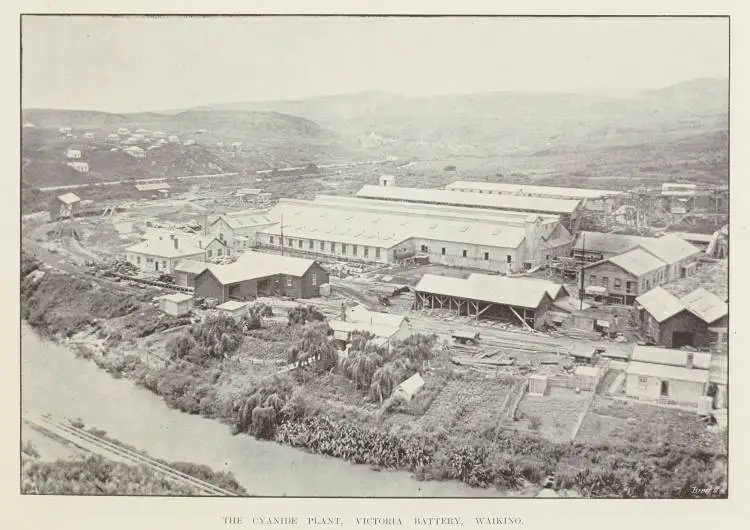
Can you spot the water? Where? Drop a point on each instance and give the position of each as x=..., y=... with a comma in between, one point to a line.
x=57, y=382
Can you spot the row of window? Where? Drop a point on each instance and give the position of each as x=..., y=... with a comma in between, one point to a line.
x=343, y=247
x=464, y=253
x=629, y=285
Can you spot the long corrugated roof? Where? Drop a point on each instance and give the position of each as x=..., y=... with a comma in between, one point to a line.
x=457, y=198
x=275, y=262
x=520, y=292
x=345, y=223
x=705, y=305
x=660, y=304
x=663, y=371
x=607, y=243
x=362, y=314
x=669, y=248
x=654, y=355
x=524, y=189
x=244, y=221
x=637, y=261
x=152, y=187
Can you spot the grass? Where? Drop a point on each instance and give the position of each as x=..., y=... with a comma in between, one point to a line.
x=557, y=412
x=624, y=423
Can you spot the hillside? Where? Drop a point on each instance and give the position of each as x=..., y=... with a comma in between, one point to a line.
x=500, y=124
x=267, y=139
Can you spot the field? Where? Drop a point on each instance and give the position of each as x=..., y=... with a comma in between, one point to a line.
x=618, y=422
x=553, y=415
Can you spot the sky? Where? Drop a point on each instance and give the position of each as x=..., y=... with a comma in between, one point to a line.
x=131, y=64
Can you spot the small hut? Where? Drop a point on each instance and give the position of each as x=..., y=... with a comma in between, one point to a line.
x=176, y=304
x=233, y=308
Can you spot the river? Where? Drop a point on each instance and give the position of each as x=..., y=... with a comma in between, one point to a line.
x=55, y=381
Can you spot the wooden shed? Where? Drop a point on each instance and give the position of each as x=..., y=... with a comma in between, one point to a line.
x=176, y=304
x=233, y=308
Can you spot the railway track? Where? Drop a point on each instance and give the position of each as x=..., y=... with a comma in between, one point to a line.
x=95, y=444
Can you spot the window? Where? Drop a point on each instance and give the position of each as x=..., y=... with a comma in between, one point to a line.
x=442, y=251
x=314, y=278
x=209, y=253
x=333, y=247
x=229, y=251
x=367, y=251
x=312, y=244
x=618, y=284
x=289, y=281
x=164, y=265
x=354, y=250
x=642, y=382
x=221, y=236
x=219, y=252
x=463, y=253
x=629, y=287
x=423, y=248
x=486, y=256
x=300, y=244
x=377, y=252
x=343, y=248
x=138, y=260
x=322, y=246
x=270, y=240
x=508, y=258
x=289, y=242
x=605, y=281
x=592, y=279
x=547, y=257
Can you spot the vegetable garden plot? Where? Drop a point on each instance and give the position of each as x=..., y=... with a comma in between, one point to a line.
x=554, y=415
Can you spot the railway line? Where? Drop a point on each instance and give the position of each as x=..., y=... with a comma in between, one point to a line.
x=94, y=444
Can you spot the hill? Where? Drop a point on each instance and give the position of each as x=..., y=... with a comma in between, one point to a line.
x=511, y=123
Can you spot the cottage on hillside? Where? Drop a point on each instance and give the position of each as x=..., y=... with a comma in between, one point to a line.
x=73, y=154
x=65, y=206
x=162, y=254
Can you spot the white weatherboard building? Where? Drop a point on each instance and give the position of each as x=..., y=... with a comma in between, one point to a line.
x=388, y=232
x=162, y=254
x=238, y=232
x=386, y=327
x=81, y=167
x=73, y=154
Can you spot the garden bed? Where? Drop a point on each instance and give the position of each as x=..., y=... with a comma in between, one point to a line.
x=553, y=415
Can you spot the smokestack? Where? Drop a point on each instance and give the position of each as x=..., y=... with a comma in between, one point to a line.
x=176, y=242
x=689, y=360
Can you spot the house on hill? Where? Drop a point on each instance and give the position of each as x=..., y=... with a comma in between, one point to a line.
x=81, y=167
x=257, y=274
x=65, y=206
x=73, y=154
x=516, y=300
x=135, y=151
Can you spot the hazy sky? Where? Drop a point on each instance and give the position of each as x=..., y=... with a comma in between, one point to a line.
x=131, y=64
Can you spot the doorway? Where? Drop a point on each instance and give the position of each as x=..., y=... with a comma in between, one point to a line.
x=682, y=338
x=664, y=389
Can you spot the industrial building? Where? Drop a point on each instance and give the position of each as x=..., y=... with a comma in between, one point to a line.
x=675, y=322
x=595, y=246
x=390, y=232
x=517, y=300
x=258, y=274
x=596, y=200
x=566, y=209
x=239, y=230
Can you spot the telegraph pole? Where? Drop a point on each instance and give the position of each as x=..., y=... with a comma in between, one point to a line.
x=583, y=251
x=282, y=235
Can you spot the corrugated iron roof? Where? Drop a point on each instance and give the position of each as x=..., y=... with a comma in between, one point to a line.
x=360, y=313
x=519, y=292
x=346, y=223
x=669, y=248
x=524, y=189
x=705, y=305
x=68, y=198
x=177, y=297
x=191, y=266
x=607, y=243
x=663, y=371
x=654, y=355
x=636, y=262
x=152, y=187
x=232, y=305
x=164, y=248
x=660, y=304
x=411, y=385
x=437, y=196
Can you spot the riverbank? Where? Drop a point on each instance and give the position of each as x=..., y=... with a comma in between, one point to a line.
x=323, y=412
